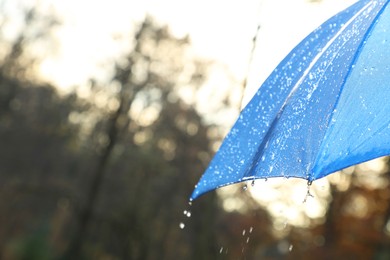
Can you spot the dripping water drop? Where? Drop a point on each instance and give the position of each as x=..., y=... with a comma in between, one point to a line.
x=308, y=194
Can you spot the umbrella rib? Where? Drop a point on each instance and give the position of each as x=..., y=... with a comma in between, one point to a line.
x=318, y=56
x=362, y=42
x=356, y=55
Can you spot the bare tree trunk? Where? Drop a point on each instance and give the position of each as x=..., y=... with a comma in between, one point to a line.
x=115, y=125
x=73, y=251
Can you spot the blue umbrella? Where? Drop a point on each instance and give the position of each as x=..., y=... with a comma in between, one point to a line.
x=325, y=107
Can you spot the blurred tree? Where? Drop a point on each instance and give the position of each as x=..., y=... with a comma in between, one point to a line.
x=35, y=133
x=153, y=148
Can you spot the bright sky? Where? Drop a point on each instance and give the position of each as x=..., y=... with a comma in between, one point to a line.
x=220, y=30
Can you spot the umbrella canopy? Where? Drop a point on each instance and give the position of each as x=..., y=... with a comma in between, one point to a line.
x=324, y=108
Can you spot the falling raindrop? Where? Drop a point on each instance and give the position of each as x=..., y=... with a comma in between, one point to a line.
x=250, y=230
x=247, y=240
x=253, y=183
x=245, y=187
x=290, y=248
x=221, y=250
x=188, y=214
x=182, y=225
x=243, y=232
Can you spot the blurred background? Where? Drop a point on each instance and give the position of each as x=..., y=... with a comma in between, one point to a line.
x=111, y=110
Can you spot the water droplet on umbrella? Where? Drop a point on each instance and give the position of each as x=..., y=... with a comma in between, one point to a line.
x=245, y=187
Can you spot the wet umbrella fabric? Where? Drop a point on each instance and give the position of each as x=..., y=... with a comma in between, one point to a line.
x=325, y=107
